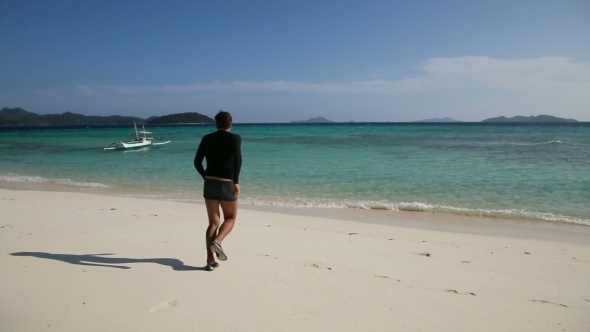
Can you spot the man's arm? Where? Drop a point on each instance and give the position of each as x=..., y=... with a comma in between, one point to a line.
x=198, y=162
x=237, y=159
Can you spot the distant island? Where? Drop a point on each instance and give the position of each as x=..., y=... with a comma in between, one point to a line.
x=439, y=120
x=319, y=119
x=533, y=119
x=181, y=118
x=20, y=117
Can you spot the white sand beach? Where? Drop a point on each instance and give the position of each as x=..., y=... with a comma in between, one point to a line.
x=88, y=262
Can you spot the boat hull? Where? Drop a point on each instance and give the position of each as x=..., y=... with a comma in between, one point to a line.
x=132, y=145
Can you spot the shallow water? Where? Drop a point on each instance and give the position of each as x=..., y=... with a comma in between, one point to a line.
x=515, y=171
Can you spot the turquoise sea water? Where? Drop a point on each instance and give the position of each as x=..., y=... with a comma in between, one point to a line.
x=513, y=171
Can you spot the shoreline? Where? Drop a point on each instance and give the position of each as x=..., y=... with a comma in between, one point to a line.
x=424, y=220
x=290, y=203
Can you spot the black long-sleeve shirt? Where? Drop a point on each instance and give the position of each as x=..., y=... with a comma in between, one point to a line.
x=223, y=152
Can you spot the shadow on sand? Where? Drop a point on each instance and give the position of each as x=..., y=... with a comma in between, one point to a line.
x=104, y=260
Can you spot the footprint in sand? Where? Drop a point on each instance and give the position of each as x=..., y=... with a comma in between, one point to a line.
x=386, y=277
x=163, y=306
x=265, y=255
x=319, y=265
x=547, y=302
x=458, y=293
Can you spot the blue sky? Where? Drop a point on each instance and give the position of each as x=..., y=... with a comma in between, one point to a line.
x=277, y=61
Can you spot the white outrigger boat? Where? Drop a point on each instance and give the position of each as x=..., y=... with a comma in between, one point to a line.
x=139, y=142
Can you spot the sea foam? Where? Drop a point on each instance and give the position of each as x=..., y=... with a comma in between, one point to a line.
x=425, y=207
x=38, y=179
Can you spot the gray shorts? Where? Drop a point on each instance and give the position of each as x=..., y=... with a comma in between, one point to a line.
x=219, y=190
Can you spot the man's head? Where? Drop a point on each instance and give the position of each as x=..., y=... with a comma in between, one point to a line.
x=223, y=120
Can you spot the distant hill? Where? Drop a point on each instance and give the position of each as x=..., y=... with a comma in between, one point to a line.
x=535, y=119
x=439, y=120
x=319, y=119
x=8, y=121
x=20, y=117
x=190, y=117
x=16, y=113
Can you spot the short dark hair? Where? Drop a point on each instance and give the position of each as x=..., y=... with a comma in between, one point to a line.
x=223, y=120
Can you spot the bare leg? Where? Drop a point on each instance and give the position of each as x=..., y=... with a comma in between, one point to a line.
x=230, y=211
x=214, y=221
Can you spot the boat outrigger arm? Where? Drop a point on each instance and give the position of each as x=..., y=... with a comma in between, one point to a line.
x=139, y=142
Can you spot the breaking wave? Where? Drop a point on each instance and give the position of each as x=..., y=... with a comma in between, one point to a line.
x=425, y=207
x=38, y=179
x=539, y=143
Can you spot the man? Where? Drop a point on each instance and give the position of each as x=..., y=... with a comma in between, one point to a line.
x=222, y=150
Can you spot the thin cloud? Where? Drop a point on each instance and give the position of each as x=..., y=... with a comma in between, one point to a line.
x=467, y=88
x=532, y=75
